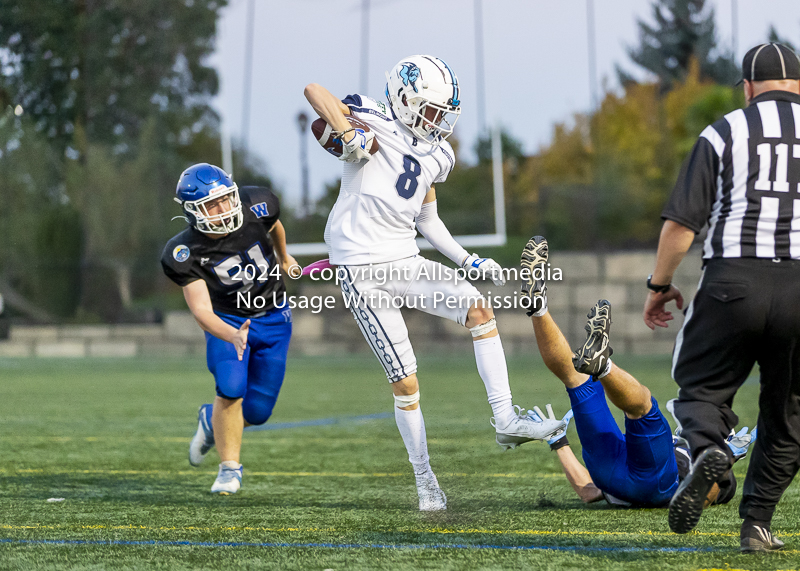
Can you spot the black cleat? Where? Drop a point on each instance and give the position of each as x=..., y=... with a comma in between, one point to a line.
x=757, y=538
x=534, y=260
x=592, y=357
x=686, y=505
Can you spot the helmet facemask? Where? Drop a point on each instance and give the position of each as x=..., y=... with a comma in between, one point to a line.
x=224, y=222
x=432, y=121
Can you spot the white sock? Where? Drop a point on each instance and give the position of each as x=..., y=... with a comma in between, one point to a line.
x=230, y=464
x=412, y=429
x=491, y=361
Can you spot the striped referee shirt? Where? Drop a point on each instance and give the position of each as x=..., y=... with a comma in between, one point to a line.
x=742, y=178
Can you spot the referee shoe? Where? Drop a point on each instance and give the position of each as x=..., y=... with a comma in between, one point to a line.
x=686, y=505
x=758, y=538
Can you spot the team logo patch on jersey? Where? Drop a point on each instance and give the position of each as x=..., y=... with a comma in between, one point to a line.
x=181, y=253
x=409, y=73
x=260, y=209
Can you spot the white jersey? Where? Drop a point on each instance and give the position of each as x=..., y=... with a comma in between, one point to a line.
x=373, y=220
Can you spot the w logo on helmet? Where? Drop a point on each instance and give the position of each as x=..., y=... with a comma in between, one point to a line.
x=410, y=74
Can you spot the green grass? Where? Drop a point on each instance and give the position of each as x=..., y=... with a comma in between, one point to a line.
x=111, y=438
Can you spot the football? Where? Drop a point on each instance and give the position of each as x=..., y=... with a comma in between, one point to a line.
x=323, y=133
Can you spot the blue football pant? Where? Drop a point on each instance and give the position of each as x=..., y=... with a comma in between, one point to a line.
x=258, y=377
x=638, y=466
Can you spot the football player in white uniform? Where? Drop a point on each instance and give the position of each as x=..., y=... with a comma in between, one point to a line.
x=371, y=234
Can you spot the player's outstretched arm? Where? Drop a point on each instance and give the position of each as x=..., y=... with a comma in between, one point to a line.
x=431, y=226
x=329, y=107
x=287, y=262
x=578, y=476
x=199, y=302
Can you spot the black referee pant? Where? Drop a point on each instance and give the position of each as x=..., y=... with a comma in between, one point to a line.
x=746, y=311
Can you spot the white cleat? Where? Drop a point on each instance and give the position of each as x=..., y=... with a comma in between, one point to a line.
x=431, y=496
x=525, y=428
x=228, y=481
x=203, y=440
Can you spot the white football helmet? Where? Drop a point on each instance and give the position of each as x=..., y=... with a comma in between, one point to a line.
x=424, y=94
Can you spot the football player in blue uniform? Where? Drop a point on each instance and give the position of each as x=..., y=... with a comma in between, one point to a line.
x=229, y=262
x=642, y=467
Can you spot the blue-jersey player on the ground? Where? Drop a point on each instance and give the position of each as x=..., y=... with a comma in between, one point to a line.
x=642, y=467
x=234, y=245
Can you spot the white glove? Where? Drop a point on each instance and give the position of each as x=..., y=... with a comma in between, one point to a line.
x=358, y=147
x=740, y=441
x=551, y=428
x=486, y=267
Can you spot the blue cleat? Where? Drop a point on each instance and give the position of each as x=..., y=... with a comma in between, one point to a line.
x=203, y=440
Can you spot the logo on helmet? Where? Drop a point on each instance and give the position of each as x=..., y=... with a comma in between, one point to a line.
x=410, y=74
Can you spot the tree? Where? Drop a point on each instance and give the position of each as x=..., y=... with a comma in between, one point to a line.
x=104, y=103
x=106, y=67
x=683, y=30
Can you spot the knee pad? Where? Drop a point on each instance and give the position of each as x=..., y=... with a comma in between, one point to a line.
x=484, y=328
x=402, y=401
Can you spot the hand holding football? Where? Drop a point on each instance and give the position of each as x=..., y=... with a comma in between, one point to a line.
x=323, y=133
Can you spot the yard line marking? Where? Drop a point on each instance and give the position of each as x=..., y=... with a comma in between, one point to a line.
x=512, y=475
x=410, y=546
x=435, y=531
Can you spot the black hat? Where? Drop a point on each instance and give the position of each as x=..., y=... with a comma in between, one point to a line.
x=770, y=61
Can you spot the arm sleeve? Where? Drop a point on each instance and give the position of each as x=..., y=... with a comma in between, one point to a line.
x=431, y=226
x=693, y=196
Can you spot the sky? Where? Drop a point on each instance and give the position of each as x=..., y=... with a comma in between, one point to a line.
x=536, y=62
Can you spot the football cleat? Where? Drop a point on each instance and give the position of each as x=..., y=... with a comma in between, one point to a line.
x=757, y=538
x=592, y=357
x=203, y=440
x=686, y=505
x=431, y=496
x=228, y=481
x=534, y=259
x=525, y=428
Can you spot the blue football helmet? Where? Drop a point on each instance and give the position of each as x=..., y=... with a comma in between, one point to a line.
x=202, y=184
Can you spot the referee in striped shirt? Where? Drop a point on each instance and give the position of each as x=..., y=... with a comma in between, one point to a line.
x=742, y=179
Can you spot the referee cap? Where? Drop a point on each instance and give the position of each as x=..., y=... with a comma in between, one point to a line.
x=770, y=61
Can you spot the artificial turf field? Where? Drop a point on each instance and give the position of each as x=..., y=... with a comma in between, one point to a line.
x=111, y=438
